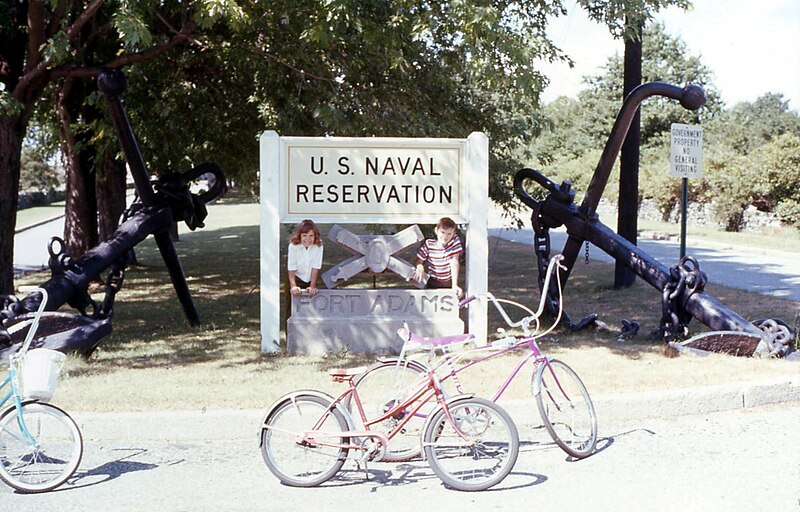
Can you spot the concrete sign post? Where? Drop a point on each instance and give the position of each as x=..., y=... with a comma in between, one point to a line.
x=685, y=161
x=371, y=181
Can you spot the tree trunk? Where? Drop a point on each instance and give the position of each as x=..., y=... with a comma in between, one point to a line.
x=10, y=151
x=80, y=221
x=628, y=202
x=111, y=200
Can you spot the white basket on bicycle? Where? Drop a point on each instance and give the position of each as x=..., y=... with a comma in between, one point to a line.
x=40, y=372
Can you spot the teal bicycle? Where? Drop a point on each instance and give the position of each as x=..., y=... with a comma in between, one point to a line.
x=40, y=444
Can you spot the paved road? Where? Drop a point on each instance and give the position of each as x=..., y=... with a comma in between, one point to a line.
x=763, y=270
x=744, y=460
x=30, y=245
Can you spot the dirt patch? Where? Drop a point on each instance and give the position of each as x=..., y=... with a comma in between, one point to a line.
x=735, y=344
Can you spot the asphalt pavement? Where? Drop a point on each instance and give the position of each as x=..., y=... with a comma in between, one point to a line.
x=763, y=270
x=741, y=460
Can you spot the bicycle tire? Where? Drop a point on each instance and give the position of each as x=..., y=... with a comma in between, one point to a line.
x=380, y=387
x=34, y=469
x=482, y=460
x=294, y=463
x=566, y=408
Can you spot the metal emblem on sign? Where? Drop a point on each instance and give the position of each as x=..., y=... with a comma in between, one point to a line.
x=375, y=253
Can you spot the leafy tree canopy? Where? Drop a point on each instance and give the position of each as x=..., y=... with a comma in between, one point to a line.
x=750, y=150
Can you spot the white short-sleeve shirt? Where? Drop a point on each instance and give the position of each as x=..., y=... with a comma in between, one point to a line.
x=302, y=260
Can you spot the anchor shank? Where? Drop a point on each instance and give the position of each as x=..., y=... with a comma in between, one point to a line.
x=702, y=306
x=111, y=83
x=691, y=97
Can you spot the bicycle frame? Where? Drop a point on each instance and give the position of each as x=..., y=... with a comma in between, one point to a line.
x=427, y=389
x=12, y=380
x=528, y=339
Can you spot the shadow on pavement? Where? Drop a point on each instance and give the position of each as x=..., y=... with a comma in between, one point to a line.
x=114, y=469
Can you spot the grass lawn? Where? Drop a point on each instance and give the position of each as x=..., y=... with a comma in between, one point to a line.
x=153, y=360
x=30, y=216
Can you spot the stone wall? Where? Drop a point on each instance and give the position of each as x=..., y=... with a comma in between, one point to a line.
x=699, y=214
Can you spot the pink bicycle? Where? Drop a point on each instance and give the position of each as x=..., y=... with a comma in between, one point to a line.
x=470, y=443
x=562, y=399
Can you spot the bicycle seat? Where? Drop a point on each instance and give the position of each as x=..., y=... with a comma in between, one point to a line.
x=415, y=341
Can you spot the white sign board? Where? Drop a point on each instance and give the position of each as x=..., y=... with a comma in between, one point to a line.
x=368, y=178
x=372, y=180
x=686, y=151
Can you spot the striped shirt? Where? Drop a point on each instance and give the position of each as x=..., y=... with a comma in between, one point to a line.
x=439, y=257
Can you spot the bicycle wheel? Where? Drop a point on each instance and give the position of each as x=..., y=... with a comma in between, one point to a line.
x=566, y=409
x=482, y=455
x=296, y=462
x=47, y=462
x=380, y=387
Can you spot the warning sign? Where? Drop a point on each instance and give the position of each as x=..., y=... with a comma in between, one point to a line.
x=686, y=151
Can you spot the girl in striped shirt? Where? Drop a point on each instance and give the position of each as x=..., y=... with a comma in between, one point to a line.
x=441, y=256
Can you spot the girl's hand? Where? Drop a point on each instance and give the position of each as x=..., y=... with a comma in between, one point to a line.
x=312, y=290
x=295, y=291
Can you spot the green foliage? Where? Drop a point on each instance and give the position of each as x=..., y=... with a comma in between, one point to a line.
x=132, y=28
x=624, y=16
x=36, y=172
x=665, y=59
x=57, y=49
x=778, y=185
x=346, y=68
x=727, y=178
x=748, y=125
x=655, y=182
x=9, y=106
x=751, y=154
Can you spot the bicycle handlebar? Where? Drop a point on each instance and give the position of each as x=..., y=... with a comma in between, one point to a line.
x=555, y=263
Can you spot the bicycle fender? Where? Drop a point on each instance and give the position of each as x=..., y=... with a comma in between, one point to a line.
x=409, y=362
x=304, y=392
x=291, y=396
x=435, y=412
x=12, y=406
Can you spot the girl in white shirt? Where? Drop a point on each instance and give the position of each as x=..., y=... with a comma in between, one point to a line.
x=305, y=258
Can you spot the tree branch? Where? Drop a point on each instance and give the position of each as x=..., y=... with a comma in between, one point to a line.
x=55, y=20
x=301, y=72
x=38, y=72
x=85, y=16
x=73, y=70
x=177, y=32
x=36, y=35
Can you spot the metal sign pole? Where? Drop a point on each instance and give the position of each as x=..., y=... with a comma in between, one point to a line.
x=684, y=212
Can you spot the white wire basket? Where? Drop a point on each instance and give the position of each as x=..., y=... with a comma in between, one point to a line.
x=40, y=372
